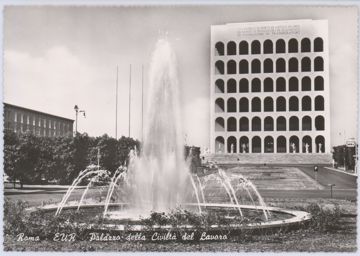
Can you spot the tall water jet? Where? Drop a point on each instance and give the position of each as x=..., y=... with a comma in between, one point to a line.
x=160, y=173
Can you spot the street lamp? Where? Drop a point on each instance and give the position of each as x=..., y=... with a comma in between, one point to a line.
x=76, y=108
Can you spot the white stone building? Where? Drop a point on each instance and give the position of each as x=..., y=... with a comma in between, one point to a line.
x=270, y=87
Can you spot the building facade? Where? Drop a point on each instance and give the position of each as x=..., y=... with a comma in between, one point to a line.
x=21, y=120
x=270, y=87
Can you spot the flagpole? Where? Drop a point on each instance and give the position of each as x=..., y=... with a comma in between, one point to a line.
x=129, y=100
x=142, y=103
x=116, y=105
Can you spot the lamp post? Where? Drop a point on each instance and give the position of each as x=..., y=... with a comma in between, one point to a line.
x=331, y=189
x=77, y=111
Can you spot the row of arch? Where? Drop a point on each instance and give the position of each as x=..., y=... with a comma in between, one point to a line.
x=270, y=145
x=269, y=66
x=268, y=124
x=268, y=85
x=268, y=46
x=269, y=105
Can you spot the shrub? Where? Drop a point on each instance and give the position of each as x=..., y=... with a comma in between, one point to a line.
x=14, y=217
x=323, y=219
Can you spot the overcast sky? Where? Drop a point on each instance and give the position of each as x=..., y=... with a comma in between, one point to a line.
x=56, y=57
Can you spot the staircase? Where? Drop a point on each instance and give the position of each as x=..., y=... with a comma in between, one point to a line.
x=270, y=158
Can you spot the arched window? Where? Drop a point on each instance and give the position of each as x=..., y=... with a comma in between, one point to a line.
x=243, y=67
x=231, y=48
x=281, y=144
x=268, y=104
x=243, y=48
x=294, y=144
x=231, y=67
x=256, y=144
x=268, y=123
x=219, y=105
x=293, y=65
x=256, y=124
x=320, y=144
x=219, y=86
x=219, y=124
x=318, y=45
x=219, y=145
x=244, y=85
x=293, y=45
x=306, y=103
x=268, y=66
x=318, y=64
x=244, y=105
x=280, y=104
x=231, y=124
x=307, y=144
x=280, y=84
x=293, y=84
x=281, y=123
x=280, y=65
x=268, y=46
x=219, y=49
x=231, y=86
x=319, y=123
x=280, y=46
x=293, y=104
x=231, y=144
x=306, y=84
x=319, y=83
x=255, y=47
x=294, y=123
x=305, y=45
x=268, y=85
x=244, y=144
x=306, y=123
x=319, y=103
x=219, y=67
x=256, y=105
x=256, y=85
x=255, y=66
x=231, y=105
x=305, y=64
x=244, y=124
x=269, y=144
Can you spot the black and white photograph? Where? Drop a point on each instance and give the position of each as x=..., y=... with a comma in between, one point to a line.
x=180, y=127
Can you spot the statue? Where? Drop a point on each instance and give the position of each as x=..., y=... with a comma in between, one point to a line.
x=320, y=147
x=306, y=148
x=243, y=148
x=293, y=146
x=232, y=149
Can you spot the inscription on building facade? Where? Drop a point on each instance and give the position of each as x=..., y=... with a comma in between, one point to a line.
x=269, y=30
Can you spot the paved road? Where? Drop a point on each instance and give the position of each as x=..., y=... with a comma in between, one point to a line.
x=346, y=188
x=327, y=176
x=347, y=194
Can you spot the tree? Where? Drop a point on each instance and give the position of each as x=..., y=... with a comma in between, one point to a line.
x=21, y=156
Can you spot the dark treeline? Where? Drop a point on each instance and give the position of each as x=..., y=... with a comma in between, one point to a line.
x=344, y=156
x=34, y=160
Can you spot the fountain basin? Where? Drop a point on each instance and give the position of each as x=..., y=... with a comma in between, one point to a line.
x=114, y=219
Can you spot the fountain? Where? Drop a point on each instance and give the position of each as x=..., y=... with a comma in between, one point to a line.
x=159, y=178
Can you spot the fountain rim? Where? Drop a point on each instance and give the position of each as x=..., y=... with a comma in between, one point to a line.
x=297, y=217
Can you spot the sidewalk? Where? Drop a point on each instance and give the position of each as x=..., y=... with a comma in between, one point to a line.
x=341, y=171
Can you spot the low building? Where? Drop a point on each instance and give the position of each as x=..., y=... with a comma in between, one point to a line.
x=21, y=120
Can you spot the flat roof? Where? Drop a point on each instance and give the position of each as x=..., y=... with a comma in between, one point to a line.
x=36, y=111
